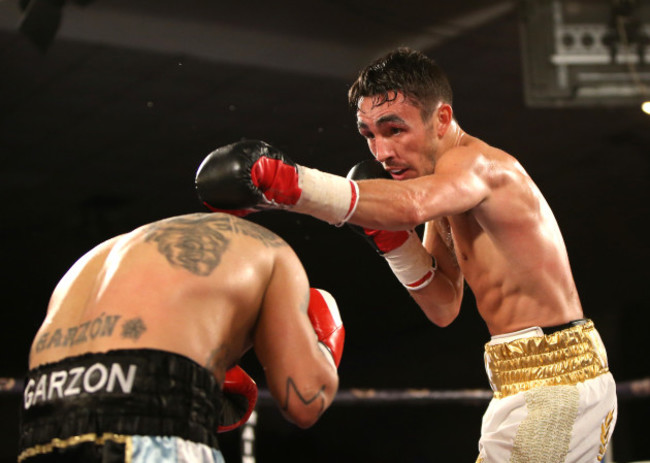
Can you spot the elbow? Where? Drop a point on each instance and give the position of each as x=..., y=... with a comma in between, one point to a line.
x=305, y=415
x=440, y=301
x=302, y=420
x=442, y=316
x=304, y=408
x=441, y=322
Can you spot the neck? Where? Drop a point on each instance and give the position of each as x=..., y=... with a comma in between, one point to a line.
x=454, y=135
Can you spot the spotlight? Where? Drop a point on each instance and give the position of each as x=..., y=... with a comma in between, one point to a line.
x=645, y=107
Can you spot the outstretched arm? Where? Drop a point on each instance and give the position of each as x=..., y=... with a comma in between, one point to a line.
x=459, y=184
x=252, y=175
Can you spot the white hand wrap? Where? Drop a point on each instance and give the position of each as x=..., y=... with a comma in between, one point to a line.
x=327, y=197
x=411, y=263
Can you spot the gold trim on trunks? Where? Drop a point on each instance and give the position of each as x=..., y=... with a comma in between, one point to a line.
x=566, y=357
x=605, y=434
x=75, y=440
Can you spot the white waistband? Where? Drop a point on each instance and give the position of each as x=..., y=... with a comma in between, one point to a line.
x=533, y=331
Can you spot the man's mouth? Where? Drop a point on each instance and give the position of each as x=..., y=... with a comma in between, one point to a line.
x=396, y=172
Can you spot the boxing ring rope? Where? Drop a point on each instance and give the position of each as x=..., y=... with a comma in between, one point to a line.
x=625, y=390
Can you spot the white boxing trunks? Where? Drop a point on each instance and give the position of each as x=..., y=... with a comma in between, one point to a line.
x=554, y=397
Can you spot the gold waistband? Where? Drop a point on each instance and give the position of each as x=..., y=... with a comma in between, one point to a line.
x=76, y=440
x=566, y=357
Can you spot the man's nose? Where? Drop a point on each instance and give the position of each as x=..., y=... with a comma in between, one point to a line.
x=382, y=150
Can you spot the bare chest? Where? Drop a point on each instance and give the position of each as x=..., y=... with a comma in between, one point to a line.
x=464, y=235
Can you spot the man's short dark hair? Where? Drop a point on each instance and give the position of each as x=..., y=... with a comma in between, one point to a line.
x=403, y=70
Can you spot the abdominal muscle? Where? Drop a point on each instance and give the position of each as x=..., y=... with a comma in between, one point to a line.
x=515, y=302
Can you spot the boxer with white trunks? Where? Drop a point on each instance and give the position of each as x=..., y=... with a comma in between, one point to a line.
x=486, y=223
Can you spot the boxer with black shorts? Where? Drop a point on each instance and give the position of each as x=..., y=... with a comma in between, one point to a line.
x=136, y=360
x=487, y=224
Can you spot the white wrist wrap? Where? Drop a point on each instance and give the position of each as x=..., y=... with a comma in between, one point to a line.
x=328, y=197
x=411, y=263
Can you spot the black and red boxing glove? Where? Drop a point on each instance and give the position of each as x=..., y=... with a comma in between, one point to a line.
x=239, y=399
x=411, y=263
x=324, y=315
x=241, y=175
x=382, y=241
x=251, y=175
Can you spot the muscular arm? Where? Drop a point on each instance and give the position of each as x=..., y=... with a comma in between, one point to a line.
x=440, y=301
x=458, y=184
x=301, y=377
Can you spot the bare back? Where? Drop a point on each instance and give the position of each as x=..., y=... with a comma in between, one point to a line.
x=511, y=251
x=192, y=285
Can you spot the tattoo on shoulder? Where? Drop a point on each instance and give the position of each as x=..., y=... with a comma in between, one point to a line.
x=192, y=242
x=252, y=230
x=263, y=235
x=196, y=242
x=291, y=386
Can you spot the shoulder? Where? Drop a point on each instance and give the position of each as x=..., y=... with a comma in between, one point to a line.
x=481, y=159
x=99, y=251
x=257, y=232
x=214, y=224
x=471, y=151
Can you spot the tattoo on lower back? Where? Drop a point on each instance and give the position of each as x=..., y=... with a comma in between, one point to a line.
x=133, y=328
x=102, y=326
x=196, y=242
x=291, y=386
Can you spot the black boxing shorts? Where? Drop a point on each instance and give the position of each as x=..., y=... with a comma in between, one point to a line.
x=122, y=405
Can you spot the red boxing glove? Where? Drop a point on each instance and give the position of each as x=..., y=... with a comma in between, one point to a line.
x=383, y=240
x=277, y=178
x=239, y=399
x=325, y=318
x=411, y=263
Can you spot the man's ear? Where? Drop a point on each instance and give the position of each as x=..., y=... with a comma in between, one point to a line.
x=443, y=115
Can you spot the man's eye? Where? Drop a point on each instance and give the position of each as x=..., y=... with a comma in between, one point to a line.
x=395, y=130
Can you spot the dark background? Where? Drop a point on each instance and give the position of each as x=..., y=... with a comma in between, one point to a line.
x=103, y=130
